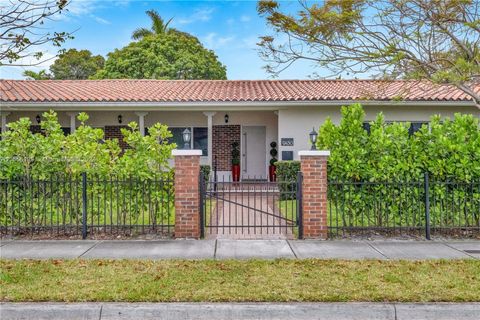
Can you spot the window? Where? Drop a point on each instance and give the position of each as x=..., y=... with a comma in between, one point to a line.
x=414, y=126
x=199, y=138
x=366, y=127
x=66, y=131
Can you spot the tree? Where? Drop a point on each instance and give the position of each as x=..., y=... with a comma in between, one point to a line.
x=159, y=26
x=436, y=40
x=21, y=29
x=41, y=75
x=71, y=65
x=75, y=64
x=168, y=56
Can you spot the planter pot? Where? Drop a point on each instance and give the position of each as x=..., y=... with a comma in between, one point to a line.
x=235, y=172
x=272, y=170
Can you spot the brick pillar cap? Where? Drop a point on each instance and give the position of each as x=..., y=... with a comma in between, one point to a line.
x=184, y=152
x=313, y=153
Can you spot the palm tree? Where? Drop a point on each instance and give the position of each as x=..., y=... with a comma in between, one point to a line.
x=158, y=26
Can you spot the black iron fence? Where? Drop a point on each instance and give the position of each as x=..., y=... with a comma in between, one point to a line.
x=86, y=206
x=251, y=208
x=421, y=207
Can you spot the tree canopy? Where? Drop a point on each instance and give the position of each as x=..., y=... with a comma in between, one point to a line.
x=437, y=40
x=166, y=56
x=72, y=65
x=159, y=26
x=22, y=31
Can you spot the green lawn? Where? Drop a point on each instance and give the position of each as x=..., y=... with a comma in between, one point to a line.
x=253, y=280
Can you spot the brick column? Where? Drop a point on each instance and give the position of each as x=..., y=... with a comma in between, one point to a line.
x=314, y=198
x=187, y=216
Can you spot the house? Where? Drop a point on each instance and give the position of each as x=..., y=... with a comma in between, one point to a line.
x=253, y=113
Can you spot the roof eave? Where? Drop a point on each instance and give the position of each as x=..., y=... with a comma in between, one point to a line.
x=213, y=105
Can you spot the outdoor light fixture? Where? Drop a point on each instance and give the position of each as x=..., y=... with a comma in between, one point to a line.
x=313, y=138
x=38, y=118
x=226, y=118
x=187, y=136
x=120, y=118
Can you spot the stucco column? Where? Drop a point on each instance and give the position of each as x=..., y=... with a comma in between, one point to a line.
x=210, y=135
x=313, y=165
x=4, y=120
x=141, y=121
x=187, y=197
x=73, y=125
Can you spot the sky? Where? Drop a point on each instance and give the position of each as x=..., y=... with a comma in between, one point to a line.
x=230, y=28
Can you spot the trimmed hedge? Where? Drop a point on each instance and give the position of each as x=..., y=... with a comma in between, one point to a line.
x=205, y=169
x=287, y=177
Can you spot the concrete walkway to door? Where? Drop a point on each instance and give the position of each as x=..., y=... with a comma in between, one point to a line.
x=238, y=249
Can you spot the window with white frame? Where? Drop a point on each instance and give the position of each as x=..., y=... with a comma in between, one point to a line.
x=199, y=139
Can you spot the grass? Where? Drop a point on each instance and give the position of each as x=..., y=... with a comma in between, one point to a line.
x=252, y=280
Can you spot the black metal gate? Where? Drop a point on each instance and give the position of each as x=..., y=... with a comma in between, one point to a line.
x=251, y=209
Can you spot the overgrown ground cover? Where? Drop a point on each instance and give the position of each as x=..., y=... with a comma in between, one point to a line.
x=233, y=280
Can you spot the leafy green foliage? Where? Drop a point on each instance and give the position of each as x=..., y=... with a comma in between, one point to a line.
x=159, y=26
x=448, y=148
x=42, y=173
x=76, y=65
x=435, y=40
x=70, y=65
x=287, y=177
x=235, y=153
x=166, y=56
x=41, y=75
x=377, y=178
x=40, y=155
x=22, y=31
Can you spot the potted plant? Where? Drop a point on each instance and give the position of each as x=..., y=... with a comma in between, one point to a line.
x=235, y=162
x=272, y=170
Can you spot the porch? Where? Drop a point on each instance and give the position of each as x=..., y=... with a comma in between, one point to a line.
x=213, y=132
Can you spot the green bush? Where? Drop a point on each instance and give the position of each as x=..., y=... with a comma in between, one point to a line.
x=205, y=169
x=42, y=173
x=286, y=178
x=448, y=149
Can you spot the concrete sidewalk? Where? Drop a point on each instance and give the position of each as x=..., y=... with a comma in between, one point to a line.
x=240, y=311
x=238, y=249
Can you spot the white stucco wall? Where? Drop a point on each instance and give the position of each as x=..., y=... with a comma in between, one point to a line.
x=297, y=122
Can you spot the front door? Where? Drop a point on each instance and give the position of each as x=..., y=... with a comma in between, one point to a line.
x=253, y=152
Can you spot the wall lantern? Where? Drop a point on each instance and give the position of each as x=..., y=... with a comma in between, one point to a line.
x=120, y=118
x=187, y=136
x=38, y=118
x=313, y=139
x=226, y=118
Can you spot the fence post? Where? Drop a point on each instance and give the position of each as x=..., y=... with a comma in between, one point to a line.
x=84, y=205
x=313, y=165
x=201, y=180
x=187, y=173
x=299, y=204
x=427, y=205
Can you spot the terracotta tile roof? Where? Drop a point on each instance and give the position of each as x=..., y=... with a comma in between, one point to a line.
x=223, y=90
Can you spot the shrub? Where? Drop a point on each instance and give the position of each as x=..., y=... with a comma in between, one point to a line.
x=205, y=169
x=286, y=178
x=448, y=149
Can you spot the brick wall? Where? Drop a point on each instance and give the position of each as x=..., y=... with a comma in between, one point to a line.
x=314, y=198
x=187, y=217
x=114, y=132
x=223, y=137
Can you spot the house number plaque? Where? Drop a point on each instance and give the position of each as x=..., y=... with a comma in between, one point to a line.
x=287, y=142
